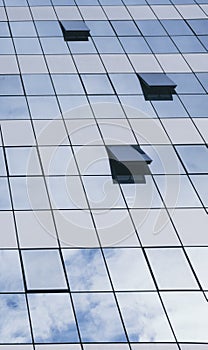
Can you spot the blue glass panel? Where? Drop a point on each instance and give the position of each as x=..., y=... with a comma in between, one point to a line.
x=159, y=2
x=63, y=2
x=23, y=29
x=169, y=109
x=2, y=163
x=199, y=26
x=10, y=85
x=188, y=44
x=200, y=183
x=187, y=83
x=108, y=45
x=68, y=84
x=13, y=108
x=203, y=78
x=16, y=2
x=196, y=105
x=97, y=84
x=48, y=28
x=134, y=44
x=54, y=46
x=176, y=27
x=92, y=311
x=195, y=158
x=37, y=84
x=39, y=2
x=111, y=2
x=11, y=275
x=82, y=46
x=27, y=46
x=43, y=107
x=151, y=28
x=184, y=2
x=87, y=2
x=204, y=40
x=4, y=29
x=14, y=321
x=57, y=320
x=5, y=203
x=142, y=314
x=100, y=28
x=86, y=270
x=6, y=46
x=134, y=2
x=161, y=45
x=125, y=28
x=43, y=269
x=126, y=83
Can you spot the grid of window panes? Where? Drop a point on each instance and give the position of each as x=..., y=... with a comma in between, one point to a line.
x=86, y=263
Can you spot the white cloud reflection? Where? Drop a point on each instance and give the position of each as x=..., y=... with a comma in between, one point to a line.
x=14, y=325
x=144, y=317
x=98, y=317
x=52, y=318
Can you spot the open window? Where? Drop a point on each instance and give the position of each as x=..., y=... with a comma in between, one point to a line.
x=75, y=30
x=128, y=163
x=157, y=86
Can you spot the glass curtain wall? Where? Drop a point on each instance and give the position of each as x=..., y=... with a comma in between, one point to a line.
x=87, y=262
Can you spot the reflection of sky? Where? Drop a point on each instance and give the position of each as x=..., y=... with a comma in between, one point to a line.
x=171, y=268
x=144, y=317
x=43, y=269
x=128, y=269
x=98, y=318
x=52, y=318
x=14, y=326
x=195, y=158
x=86, y=270
x=188, y=313
x=4, y=195
x=10, y=272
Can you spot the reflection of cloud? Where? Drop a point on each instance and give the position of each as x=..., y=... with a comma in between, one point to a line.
x=86, y=270
x=144, y=317
x=52, y=318
x=10, y=273
x=128, y=269
x=14, y=326
x=98, y=318
x=188, y=313
x=43, y=269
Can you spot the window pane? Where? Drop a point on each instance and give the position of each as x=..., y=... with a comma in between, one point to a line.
x=195, y=158
x=14, y=322
x=144, y=317
x=86, y=270
x=135, y=273
x=97, y=84
x=93, y=312
x=43, y=269
x=56, y=323
x=171, y=269
x=10, y=276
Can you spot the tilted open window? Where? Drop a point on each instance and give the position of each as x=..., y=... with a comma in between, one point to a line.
x=157, y=86
x=75, y=30
x=128, y=163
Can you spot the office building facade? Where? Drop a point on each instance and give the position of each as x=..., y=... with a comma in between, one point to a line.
x=104, y=171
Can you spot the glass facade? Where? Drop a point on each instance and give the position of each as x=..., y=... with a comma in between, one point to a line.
x=86, y=262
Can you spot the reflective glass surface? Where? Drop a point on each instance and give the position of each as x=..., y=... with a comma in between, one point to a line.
x=87, y=262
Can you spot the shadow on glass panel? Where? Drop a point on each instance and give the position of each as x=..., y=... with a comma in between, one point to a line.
x=129, y=164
